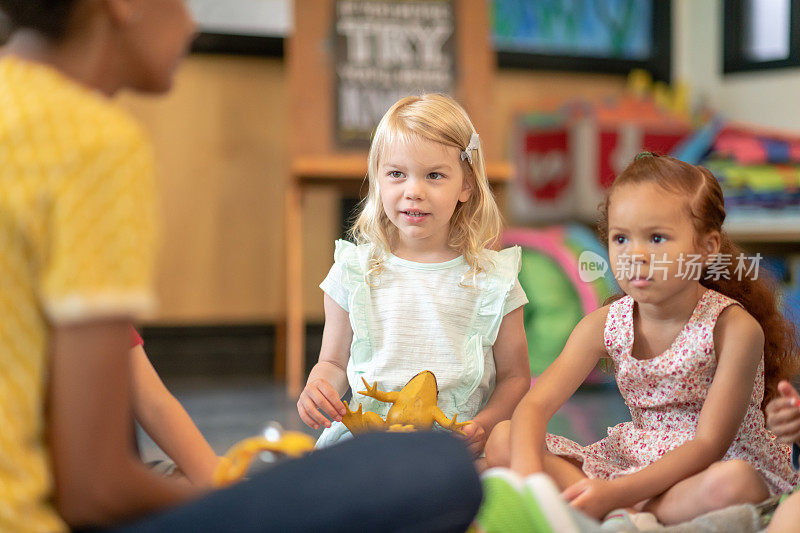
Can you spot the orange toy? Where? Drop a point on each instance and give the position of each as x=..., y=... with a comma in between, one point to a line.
x=235, y=463
x=414, y=407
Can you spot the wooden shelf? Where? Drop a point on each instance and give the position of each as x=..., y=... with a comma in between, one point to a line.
x=763, y=226
x=350, y=167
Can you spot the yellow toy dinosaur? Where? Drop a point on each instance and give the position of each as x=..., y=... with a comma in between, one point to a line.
x=414, y=407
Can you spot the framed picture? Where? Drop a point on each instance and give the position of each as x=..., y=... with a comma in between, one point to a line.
x=249, y=27
x=761, y=35
x=584, y=35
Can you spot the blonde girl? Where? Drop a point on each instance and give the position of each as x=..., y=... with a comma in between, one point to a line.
x=696, y=354
x=421, y=289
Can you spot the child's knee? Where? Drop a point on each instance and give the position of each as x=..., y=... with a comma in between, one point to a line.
x=732, y=483
x=498, y=445
x=785, y=517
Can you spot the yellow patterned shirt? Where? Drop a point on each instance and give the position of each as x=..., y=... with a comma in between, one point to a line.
x=76, y=243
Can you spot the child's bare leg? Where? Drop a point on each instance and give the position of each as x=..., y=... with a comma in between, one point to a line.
x=498, y=445
x=722, y=484
x=564, y=472
x=786, y=516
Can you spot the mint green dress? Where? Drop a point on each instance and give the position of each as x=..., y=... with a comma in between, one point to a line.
x=413, y=317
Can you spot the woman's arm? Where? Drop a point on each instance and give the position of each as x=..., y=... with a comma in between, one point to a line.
x=552, y=389
x=166, y=421
x=98, y=478
x=327, y=381
x=513, y=376
x=739, y=345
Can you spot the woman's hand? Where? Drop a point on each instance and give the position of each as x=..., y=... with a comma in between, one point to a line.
x=595, y=497
x=476, y=437
x=319, y=395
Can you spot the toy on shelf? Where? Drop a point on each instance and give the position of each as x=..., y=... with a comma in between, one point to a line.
x=414, y=408
x=274, y=439
x=757, y=168
x=567, y=155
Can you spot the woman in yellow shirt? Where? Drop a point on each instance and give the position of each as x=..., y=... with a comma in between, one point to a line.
x=76, y=245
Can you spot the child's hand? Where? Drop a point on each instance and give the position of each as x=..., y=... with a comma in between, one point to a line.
x=783, y=413
x=476, y=437
x=595, y=497
x=320, y=395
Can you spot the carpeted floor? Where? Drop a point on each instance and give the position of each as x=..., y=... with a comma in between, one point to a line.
x=230, y=409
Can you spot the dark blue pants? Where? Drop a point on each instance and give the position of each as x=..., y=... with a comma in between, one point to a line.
x=416, y=482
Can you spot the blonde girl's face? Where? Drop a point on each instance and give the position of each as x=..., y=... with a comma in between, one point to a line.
x=420, y=183
x=652, y=244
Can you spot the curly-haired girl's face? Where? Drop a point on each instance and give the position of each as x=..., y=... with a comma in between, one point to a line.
x=652, y=244
x=421, y=182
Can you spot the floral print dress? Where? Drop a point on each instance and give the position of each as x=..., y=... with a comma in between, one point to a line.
x=665, y=395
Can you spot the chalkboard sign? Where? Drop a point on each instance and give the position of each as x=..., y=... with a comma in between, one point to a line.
x=385, y=50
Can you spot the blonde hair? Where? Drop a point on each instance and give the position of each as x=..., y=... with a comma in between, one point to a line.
x=475, y=224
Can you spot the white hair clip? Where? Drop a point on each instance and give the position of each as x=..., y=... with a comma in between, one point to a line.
x=474, y=142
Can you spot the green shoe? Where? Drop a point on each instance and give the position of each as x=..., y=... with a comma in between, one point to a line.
x=512, y=505
x=503, y=509
x=545, y=503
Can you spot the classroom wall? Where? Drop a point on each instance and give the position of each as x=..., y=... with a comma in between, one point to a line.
x=768, y=97
x=221, y=142
x=221, y=149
